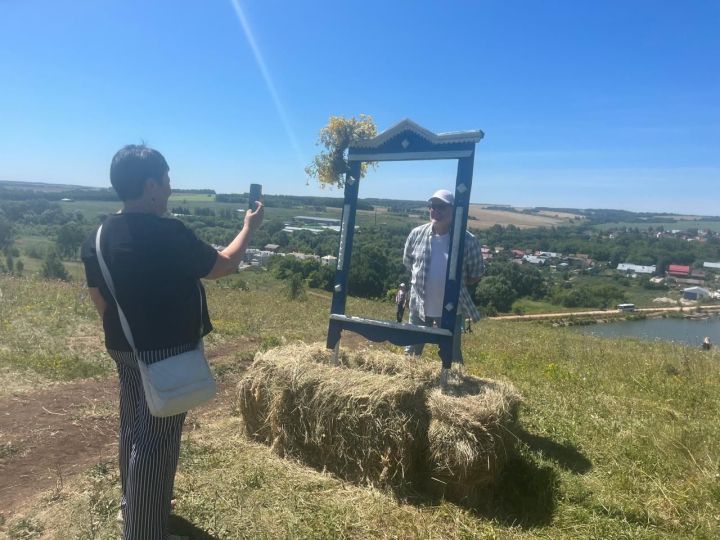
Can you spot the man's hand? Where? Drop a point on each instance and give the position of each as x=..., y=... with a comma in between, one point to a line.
x=228, y=259
x=254, y=218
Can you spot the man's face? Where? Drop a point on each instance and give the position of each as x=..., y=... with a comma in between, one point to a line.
x=440, y=211
x=161, y=191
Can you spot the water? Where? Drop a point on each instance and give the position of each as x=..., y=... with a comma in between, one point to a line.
x=687, y=331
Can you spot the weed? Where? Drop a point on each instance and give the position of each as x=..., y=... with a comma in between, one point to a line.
x=269, y=342
x=8, y=449
x=25, y=529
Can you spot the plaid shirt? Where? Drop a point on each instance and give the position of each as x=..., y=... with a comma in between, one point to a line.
x=417, y=260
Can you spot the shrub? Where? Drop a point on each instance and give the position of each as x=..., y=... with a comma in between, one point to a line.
x=53, y=267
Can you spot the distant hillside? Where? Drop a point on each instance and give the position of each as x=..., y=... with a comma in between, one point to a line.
x=14, y=190
x=482, y=216
x=44, y=187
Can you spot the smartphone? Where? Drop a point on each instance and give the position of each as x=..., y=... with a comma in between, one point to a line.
x=255, y=195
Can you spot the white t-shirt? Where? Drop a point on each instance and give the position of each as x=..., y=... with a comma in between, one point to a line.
x=435, y=279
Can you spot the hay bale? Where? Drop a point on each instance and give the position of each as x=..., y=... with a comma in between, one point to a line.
x=360, y=425
x=380, y=418
x=470, y=435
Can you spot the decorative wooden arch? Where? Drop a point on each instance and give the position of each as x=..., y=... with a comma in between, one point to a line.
x=406, y=141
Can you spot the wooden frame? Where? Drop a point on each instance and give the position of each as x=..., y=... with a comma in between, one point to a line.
x=406, y=141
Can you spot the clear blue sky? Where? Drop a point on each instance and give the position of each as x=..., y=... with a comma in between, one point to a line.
x=611, y=104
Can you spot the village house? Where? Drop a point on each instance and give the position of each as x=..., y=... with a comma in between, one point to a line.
x=548, y=254
x=579, y=260
x=304, y=256
x=635, y=269
x=678, y=271
x=533, y=259
x=258, y=257
x=328, y=260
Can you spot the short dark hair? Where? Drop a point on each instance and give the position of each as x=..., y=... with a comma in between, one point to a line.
x=132, y=166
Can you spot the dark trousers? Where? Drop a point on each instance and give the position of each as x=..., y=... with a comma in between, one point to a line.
x=400, y=312
x=149, y=452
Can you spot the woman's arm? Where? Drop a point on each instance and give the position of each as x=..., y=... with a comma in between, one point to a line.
x=229, y=258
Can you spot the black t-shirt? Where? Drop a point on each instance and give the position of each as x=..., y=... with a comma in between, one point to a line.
x=155, y=264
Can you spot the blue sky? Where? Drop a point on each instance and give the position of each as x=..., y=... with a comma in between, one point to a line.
x=610, y=104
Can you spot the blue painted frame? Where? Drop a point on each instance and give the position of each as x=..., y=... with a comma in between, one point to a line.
x=406, y=141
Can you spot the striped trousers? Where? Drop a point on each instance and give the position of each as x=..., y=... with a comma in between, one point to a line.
x=149, y=451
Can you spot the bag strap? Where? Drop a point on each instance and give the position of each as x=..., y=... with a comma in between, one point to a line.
x=108, y=280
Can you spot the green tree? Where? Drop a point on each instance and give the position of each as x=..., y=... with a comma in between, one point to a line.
x=19, y=268
x=53, y=268
x=6, y=234
x=330, y=165
x=69, y=238
x=295, y=288
x=322, y=278
x=495, y=291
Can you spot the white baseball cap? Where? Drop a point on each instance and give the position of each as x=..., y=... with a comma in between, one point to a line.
x=443, y=195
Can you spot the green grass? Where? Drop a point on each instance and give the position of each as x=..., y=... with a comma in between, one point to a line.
x=619, y=438
x=191, y=197
x=530, y=307
x=49, y=330
x=92, y=209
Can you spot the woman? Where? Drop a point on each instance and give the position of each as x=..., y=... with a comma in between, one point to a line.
x=156, y=264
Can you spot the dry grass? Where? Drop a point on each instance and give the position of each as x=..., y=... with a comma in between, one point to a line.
x=379, y=418
x=470, y=437
x=360, y=425
x=484, y=217
x=619, y=438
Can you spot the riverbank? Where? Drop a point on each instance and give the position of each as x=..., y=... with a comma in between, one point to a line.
x=601, y=315
x=689, y=331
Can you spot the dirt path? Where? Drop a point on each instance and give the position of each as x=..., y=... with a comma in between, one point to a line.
x=56, y=432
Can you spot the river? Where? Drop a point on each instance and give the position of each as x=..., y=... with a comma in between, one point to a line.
x=688, y=331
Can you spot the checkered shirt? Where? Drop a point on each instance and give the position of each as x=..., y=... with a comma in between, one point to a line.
x=417, y=260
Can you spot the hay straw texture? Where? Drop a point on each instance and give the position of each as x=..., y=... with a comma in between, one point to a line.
x=470, y=434
x=379, y=418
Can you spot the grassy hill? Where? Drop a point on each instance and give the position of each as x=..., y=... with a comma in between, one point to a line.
x=619, y=438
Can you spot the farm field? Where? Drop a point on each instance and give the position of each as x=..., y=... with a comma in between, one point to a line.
x=91, y=210
x=484, y=217
x=681, y=223
x=617, y=438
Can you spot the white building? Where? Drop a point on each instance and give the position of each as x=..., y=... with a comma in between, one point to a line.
x=635, y=268
x=329, y=260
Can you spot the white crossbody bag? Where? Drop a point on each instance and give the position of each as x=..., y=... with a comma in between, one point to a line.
x=177, y=383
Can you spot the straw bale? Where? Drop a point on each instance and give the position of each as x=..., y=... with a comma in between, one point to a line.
x=470, y=435
x=360, y=425
x=380, y=418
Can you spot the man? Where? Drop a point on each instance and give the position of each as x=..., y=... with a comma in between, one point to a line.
x=155, y=263
x=426, y=257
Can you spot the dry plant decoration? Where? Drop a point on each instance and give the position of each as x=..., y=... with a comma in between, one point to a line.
x=330, y=166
